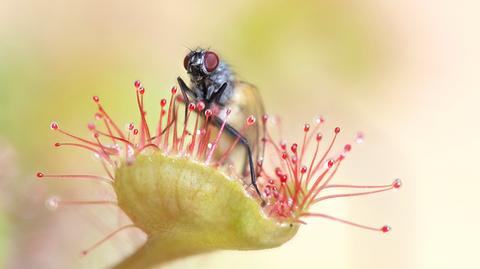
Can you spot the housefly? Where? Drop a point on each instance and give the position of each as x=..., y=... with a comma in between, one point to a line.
x=213, y=82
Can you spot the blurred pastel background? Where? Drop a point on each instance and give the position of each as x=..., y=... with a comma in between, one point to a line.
x=404, y=72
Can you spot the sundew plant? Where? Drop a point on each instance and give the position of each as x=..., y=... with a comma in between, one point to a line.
x=184, y=191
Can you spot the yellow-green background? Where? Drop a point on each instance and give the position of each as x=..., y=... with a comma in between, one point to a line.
x=405, y=72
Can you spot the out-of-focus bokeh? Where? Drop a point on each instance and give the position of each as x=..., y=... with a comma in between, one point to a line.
x=404, y=72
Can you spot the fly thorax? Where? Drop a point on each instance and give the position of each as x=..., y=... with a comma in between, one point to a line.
x=222, y=75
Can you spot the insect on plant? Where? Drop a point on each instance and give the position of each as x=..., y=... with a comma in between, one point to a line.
x=213, y=83
x=163, y=178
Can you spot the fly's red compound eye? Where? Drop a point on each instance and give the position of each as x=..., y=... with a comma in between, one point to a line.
x=210, y=61
x=186, y=61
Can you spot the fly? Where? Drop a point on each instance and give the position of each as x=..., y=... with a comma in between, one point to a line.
x=213, y=82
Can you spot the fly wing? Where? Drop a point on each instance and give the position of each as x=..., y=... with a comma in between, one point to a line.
x=244, y=102
x=247, y=101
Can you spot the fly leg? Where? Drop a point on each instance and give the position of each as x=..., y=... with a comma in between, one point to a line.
x=233, y=132
x=215, y=98
x=186, y=91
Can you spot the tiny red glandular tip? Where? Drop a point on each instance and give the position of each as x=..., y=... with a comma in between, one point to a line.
x=173, y=90
x=250, y=120
x=141, y=90
x=386, y=229
x=191, y=106
x=40, y=174
x=303, y=170
x=330, y=163
x=137, y=84
x=200, y=106
x=54, y=126
x=283, y=144
x=306, y=127
x=347, y=147
x=397, y=183
x=337, y=130
x=96, y=99
x=294, y=147
x=163, y=102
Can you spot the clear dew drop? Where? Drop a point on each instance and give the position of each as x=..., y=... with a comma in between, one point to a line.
x=117, y=147
x=359, y=138
x=52, y=203
x=319, y=120
x=130, y=151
